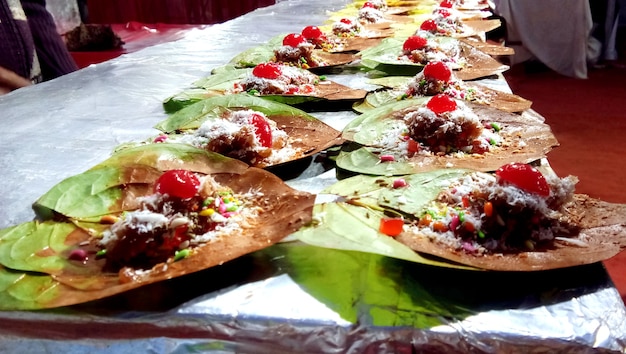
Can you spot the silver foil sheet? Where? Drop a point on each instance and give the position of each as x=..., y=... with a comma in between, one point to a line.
x=290, y=297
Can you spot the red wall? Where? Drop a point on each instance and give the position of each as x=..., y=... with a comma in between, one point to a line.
x=170, y=11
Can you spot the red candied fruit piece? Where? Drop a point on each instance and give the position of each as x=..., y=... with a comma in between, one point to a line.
x=293, y=39
x=429, y=25
x=391, y=226
x=524, y=177
x=312, y=32
x=441, y=103
x=178, y=183
x=414, y=43
x=267, y=71
x=446, y=3
x=262, y=130
x=346, y=21
x=444, y=13
x=369, y=4
x=437, y=70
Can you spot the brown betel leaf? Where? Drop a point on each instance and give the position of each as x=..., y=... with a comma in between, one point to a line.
x=309, y=136
x=603, y=230
x=507, y=102
x=529, y=129
x=333, y=91
x=479, y=64
x=482, y=26
x=488, y=48
x=331, y=59
x=284, y=210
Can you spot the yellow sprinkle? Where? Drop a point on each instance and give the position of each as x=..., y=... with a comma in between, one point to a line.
x=207, y=212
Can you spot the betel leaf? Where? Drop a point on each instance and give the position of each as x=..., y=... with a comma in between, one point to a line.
x=365, y=288
x=183, y=99
x=367, y=127
x=28, y=291
x=222, y=80
x=259, y=54
x=364, y=161
x=109, y=186
x=410, y=198
x=40, y=247
x=194, y=115
x=349, y=227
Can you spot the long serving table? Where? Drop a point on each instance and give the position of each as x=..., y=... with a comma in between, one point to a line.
x=290, y=297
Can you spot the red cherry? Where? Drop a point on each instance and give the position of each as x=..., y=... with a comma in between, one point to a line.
x=429, y=25
x=267, y=71
x=369, y=4
x=446, y=3
x=524, y=177
x=262, y=130
x=438, y=71
x=293, y=39
x=444, y=13
x=413, y=43
x=178, y=183
x=346, y=21
x=441, y=103
x=312, y=32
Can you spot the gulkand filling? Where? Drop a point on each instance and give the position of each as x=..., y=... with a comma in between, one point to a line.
x=186, y=211
x=518, y=209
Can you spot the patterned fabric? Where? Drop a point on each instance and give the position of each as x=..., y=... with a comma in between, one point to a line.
x=29, y=43
x=17, y=49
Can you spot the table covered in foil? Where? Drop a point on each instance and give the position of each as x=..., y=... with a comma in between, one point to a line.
x=290, y=297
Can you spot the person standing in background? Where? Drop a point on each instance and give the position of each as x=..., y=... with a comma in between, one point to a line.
x=31, y=49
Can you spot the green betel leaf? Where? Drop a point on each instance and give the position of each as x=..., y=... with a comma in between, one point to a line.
x=365, y=288
x=411, y=199
x=349, y=227
x=222, y=80
x=27, y=291
x=364, y=161
x=39, y=247
x=183, y=99
x=91, y=193
x=104, y=189
x=194, y=115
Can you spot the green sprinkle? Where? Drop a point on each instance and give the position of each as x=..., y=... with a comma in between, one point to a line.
x=101, y=253
x=461, y=217
x=495, y=126
x=481, y=234
x=322, y=77
x=180, y=254
x=423, y=82
x=208, y=201
x=493, y=142
x=253, y=92
x=231, y=208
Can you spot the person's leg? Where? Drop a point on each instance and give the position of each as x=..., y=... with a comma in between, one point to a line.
x=54, y=58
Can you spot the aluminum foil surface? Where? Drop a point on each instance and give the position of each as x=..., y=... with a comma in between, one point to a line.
x=290, y=297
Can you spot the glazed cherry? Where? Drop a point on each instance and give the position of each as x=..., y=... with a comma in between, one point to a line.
x=178, y=183
x=262, y=130
x=369, y=4
x=346, y=21
x=293, y=39
x=446, y=3
x=524, y=177
x=429, y=25
x=267, y=71
x=438, y=71
x=444, y=13
x=414, y=43
x=441, y=103
x=312, y=32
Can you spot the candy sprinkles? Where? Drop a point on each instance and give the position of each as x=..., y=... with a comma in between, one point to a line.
x=186, y=211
